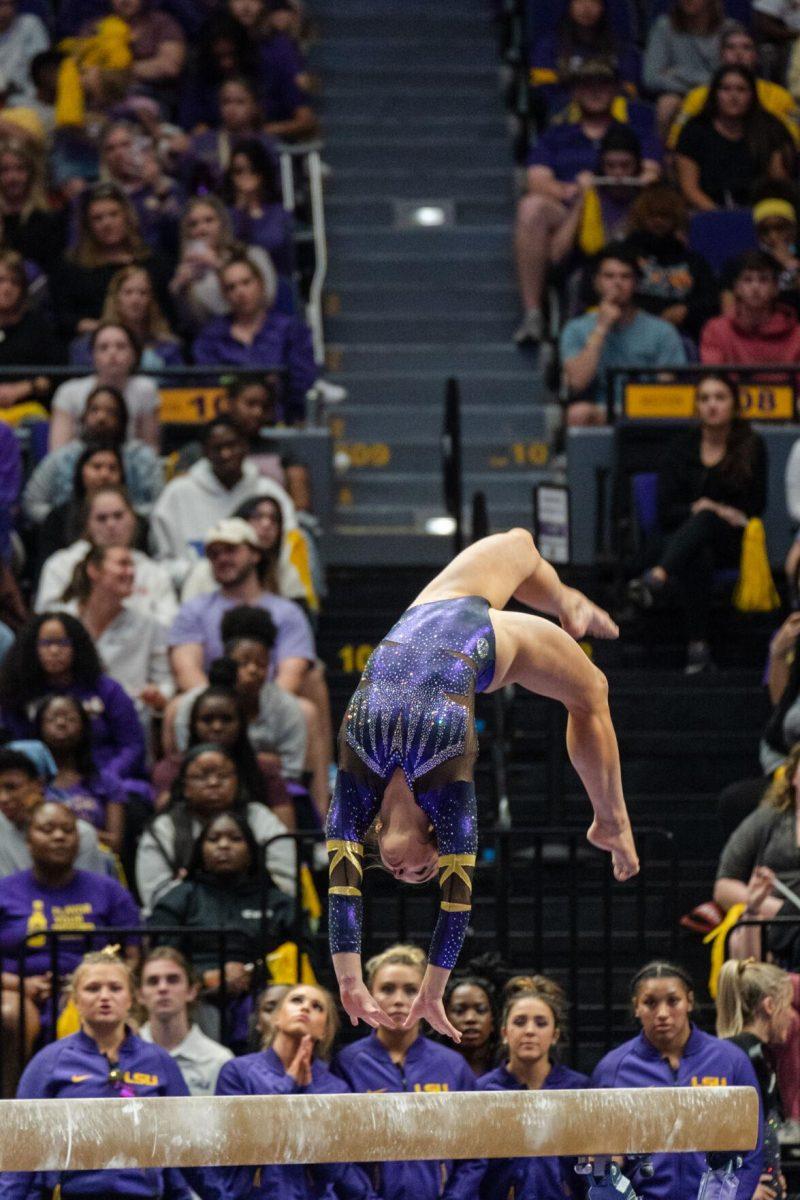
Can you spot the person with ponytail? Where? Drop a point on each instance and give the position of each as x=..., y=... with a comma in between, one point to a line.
x=670, y=1051
x=754, y=1011
x=712, y=481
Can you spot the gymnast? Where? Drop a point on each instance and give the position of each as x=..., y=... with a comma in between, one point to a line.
x=407, y=747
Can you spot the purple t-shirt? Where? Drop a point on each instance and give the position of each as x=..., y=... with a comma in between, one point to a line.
x=88, y=798
x=198, y=620
x=88, y=901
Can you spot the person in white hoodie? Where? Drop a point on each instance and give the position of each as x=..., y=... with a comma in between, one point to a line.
x=209, y=491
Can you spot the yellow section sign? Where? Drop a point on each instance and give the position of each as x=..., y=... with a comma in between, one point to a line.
x=190, y=405
x=675, y=401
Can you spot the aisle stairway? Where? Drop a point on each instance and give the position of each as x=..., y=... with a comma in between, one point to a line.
x=413, y=113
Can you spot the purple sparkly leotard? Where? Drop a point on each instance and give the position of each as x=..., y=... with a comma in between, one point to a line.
x=413, y=711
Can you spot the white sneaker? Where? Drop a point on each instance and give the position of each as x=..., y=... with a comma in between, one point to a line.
x=532, y=327
x=329, y=393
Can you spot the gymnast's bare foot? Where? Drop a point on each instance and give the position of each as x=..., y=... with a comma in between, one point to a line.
x=580, y=618
x=618, y=841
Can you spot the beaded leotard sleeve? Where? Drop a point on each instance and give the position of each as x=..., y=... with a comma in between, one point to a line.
x=452, y=810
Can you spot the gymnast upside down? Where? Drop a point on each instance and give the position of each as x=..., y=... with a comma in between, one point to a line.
x=407, y=746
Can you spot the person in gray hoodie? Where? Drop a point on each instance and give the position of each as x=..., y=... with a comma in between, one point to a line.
x=209, y=491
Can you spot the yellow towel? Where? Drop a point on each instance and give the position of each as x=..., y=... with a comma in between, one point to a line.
x=591, y=234
x=755, y=591
x=282, y=966
x=717, y=940
x=109, y=48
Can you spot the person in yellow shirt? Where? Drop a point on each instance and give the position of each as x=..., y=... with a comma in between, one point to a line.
x=739, y=49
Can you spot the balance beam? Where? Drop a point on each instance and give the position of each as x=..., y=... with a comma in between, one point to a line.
x=88, y=1135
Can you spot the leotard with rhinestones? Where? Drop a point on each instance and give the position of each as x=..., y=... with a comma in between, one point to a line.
x=413, y=711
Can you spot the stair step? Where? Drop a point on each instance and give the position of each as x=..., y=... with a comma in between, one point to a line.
x=420, y=103
x=365, y=423
x=418, y=152
x=448, y=358
x=410, y=22
x=392, y=52
x=380, y=211
x=389, y=328
x=403, y=298
x=417, y=268
x=520, y=386
x=431, y=179
x=481, y=240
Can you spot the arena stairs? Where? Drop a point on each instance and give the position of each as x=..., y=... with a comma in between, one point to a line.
x=413, y=116
x=681, y=741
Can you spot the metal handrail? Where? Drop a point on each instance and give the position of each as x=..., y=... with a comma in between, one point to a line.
x=310, y=152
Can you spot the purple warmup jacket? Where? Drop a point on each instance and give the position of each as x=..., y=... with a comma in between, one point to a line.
x=366, y=1066
x=282, y=341
x=263, y=1074
x=75, y=1067
x=707, y=1062
x=117, y=736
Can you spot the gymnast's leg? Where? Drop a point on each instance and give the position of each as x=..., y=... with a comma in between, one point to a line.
x=540, y=657
x=508, y=564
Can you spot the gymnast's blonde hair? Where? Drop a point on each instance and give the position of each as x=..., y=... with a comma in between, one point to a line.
x=107, y=957
x=743, y=986
x=400, y=955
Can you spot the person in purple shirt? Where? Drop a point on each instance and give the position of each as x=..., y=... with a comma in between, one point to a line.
x=106, y=1060
x=10, y=486
x=51, y=894
x=53, y=653
x=303, y=1027
x=671, y=1051
x=533, y=1020
x=401, y=1060
x=195, y=638
x=253, y=335
x=253, y=195
x=560, y=168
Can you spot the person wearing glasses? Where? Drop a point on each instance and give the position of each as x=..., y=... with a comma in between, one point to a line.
x=104, y=1059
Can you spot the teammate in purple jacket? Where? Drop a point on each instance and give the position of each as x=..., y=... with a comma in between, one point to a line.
x=672, y=1052
x=400, y=1060
x=303, y=1028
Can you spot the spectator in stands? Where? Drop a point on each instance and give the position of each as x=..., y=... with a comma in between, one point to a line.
x=470, y=1005
x=252, y=192
x=105, y=1059
x=754, y=1012
x=761, y=848
x=25, y=340
x=208, y=493
x=533, y=1021
x=22, y=36
x=209, y=782
x=30, y=224
x=109, y=520
x=776, y=25
x=760, y=329
x=54, y=653
x=731, y=143
x=53, y=894
x=41, y=98
x=131, y=643
x=108, y=238
x=104, y=420
x=217, y=714
x=775, y=219
x=64, y=728
x=739, y=49
x=583, y=32
x=398, y=1059
x=284, y=568
x=207, y=243
x=601, y=210
x=712, y=480
x=555, y=164
x=616, y=334
x=671, y=1051
x=195, y=638
x=241, y=118
x=675, y=283
x=256, y=336
x=683, y=50
x=22, y=786
x=225, y=51
x=157, y=44
x=225, y=886
x=267, y=1003
x=279, y=49
x=304, y=1027
x=168, y=991
x=131, y=302
x=129, y=159
x=115, y=357
x=99, y=465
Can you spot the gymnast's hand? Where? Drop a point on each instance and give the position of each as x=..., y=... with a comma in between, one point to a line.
x=430, y=1007
x=580, y=618
x=360, y=1005
x=618, y=841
